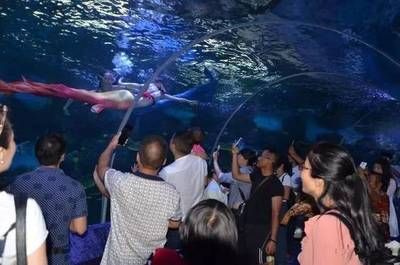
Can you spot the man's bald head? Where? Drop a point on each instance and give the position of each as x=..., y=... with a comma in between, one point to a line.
x=153, y=151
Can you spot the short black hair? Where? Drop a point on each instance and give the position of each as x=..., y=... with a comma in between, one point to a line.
x=49, y=149
x=153, y=151
x=183, y=142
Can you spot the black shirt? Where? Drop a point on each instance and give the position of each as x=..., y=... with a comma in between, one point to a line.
x=259, y=206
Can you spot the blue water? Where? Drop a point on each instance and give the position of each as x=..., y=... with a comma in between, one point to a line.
x=73, y=42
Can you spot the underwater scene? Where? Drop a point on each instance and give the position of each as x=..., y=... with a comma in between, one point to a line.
x=271, y=72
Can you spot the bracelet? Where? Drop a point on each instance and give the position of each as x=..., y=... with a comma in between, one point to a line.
x=273, y=240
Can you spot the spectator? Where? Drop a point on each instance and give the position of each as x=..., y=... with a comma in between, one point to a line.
x=383, y=168
x=209, y=236
x=143, y=206
x=379, y=202
x=198, y=138
x=261, y=213
x=239, y=190
x=36, y=233
x=346, y=232
x=187, y=174
x=214, y=190
x=61, y=198
x=296, y=160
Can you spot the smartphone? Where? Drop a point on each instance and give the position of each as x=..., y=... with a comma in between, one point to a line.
x=238, y=142
x=363, y=165
x=218, y=148
x=125, y=133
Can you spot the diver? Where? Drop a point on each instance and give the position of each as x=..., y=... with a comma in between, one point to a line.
x=119, y=96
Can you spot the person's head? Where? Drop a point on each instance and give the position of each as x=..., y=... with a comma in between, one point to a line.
x=382, y=167
x=209, y=234
x=268, y=159
x=181, y=143
x=152, y=153
x=283, y=166
x=197, y=134
x=50, y=149
x=329, y=175
x=325, y=166
x=108, y=78
x=374, y=181
x=247, y=157
x=7, y=143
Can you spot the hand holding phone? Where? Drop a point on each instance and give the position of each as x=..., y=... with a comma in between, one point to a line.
x=363, y=165
x=126, y=131
x=237, y=142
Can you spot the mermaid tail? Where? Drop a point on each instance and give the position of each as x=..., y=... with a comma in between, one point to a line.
x=118, y=99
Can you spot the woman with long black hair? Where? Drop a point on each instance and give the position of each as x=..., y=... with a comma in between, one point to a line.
x=345, y=232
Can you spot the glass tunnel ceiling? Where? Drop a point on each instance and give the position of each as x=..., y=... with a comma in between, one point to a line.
x=352, y=99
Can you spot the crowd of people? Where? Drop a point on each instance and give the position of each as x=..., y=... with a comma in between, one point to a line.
x=191, y=212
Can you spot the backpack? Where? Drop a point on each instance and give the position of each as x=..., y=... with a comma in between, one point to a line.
x=383, y=257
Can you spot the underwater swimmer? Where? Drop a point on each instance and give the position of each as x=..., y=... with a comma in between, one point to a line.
x=120, y=96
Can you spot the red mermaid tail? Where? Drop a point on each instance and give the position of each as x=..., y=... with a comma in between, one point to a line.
x=118, y=99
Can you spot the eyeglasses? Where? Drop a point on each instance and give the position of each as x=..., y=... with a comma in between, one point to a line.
x=3, y=118
x=302, y=167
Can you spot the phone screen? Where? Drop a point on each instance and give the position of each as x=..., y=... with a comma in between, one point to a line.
x=363, y=165
x=238, y=142
x=126, y=131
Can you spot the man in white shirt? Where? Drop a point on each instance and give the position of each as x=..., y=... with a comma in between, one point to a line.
x=188, y=174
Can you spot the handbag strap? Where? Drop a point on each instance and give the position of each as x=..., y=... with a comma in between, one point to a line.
x=242, y=194
x=261, y=183
x=20, y=208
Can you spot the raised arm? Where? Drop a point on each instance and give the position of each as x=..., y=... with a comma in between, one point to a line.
x=104, y=161
x=235, y=167
x=100, y=184
x=292, y=152
x=135, y=87
x=183, y=100
x=217, y=169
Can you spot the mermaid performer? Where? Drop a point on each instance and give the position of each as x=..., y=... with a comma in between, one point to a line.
x=120, y=96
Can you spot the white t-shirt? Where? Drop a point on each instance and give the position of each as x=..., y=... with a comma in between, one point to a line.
x=141, y=206
x=36, y=231
x=296, y=178
x=286, y=180
x=188, y=175
x=214, y=191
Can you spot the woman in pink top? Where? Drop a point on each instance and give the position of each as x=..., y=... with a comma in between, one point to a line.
x=345, y=232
